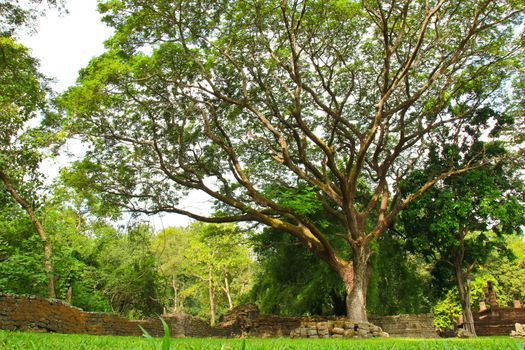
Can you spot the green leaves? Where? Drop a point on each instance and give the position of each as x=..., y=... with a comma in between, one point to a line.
x=189, y=91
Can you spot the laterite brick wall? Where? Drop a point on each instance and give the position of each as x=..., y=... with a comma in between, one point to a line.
x=44, y=315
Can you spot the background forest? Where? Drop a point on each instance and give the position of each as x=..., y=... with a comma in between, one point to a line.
x=206, y=269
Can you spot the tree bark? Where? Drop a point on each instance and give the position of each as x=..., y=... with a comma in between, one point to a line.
x=69, y=294
x=48, y=251
x=227, y=290
x=464, y=295
x=175, y=291
x=356, y=297
x=211, y=293
x=355, y=275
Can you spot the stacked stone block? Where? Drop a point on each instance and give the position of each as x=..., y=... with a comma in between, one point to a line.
x=246, y=320
x=337, y=329
x=413, y=326
x=498, y=320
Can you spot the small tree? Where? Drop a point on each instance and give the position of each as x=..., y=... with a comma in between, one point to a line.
x=22, y=96
x=451, y=221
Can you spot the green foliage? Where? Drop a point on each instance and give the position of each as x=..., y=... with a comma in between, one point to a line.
x=447, y=311
x=290, y=280
x=128, y=275
x=315, y=96
x=145, y=333
x=23, y=95
x=508, y=271
x=16, y=15
x=20, y=254
x=280, y=112
x=21, y=257
x=460, y=222
x=193, y=257
x=166, y=338
x=400, y=282
x=124, y=270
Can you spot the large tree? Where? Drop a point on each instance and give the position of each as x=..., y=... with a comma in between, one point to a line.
x=235, y=98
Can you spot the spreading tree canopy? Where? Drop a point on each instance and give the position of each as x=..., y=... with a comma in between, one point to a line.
x=237, y=98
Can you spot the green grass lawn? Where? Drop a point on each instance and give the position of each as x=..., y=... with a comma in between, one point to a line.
x=24, y=341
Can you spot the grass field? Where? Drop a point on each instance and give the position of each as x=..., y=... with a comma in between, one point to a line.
x=30, y=341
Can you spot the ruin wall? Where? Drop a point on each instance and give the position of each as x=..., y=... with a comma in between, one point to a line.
x=47, y=315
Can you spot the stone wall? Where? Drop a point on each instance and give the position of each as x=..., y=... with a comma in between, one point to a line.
x=497, y=320
x=44, y=315
x=413, y=326
x=246, y=320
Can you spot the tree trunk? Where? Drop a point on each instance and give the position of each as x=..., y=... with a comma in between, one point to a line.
x=175, y=291
x=48, y=251
x=227, y=290
x=48, y=265
x=464, y=295
x=355, y=277
x=211, y=292
x=69, y=294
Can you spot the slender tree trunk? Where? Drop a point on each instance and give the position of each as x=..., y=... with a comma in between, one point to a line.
x=48, y=265
x=227, y=290
x=175, y=291
x=48, y=251
x=464, y=291
x=211, y=292
x=464, y=295
x=69, y=294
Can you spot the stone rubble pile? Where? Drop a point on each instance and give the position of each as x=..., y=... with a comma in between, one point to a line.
x=519, y=332
x=337, y=329
x=246, y=320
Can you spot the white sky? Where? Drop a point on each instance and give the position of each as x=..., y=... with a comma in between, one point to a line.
x=65, y=43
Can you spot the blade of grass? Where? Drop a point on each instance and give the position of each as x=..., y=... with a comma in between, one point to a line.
x=166, y=339
x=145, y=333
